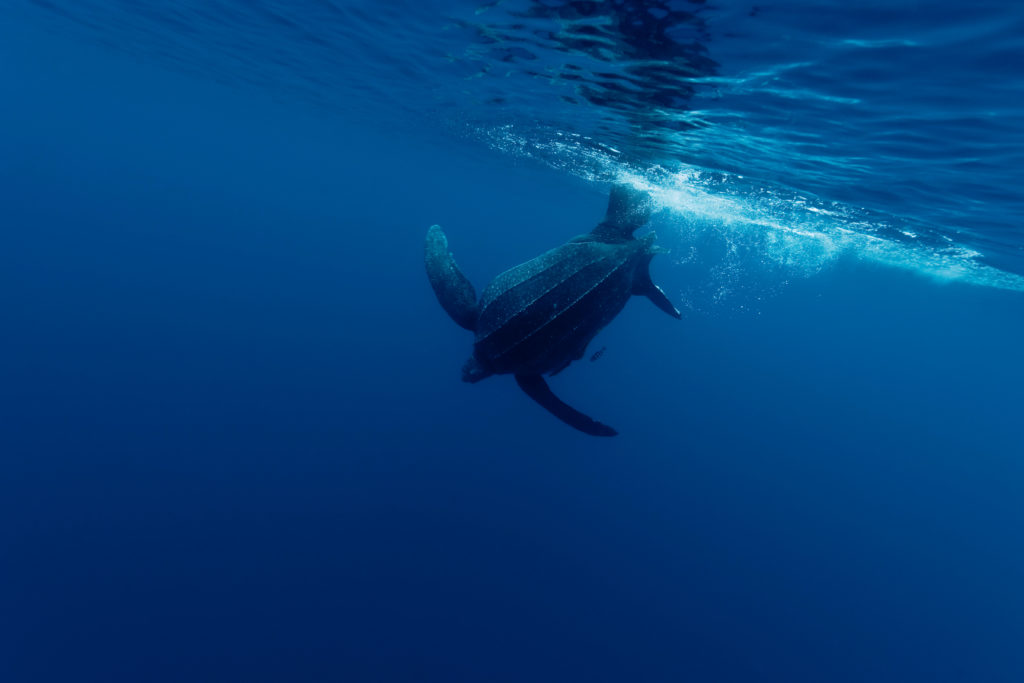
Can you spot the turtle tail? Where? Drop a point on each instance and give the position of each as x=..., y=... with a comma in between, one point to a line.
x=453, y=289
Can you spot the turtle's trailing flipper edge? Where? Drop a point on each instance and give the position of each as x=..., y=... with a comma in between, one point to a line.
x=537, y=389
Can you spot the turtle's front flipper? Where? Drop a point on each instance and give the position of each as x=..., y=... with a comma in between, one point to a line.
x=453, y=289
x=644, y=286
x=537, y=389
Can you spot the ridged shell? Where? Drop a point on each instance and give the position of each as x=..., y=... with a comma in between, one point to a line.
x=540, y=315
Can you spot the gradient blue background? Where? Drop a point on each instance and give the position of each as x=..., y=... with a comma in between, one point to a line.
x=234, y=445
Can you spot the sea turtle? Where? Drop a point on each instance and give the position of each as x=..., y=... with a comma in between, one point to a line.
x=538, y=317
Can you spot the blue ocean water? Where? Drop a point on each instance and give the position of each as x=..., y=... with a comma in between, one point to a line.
x=234, y=442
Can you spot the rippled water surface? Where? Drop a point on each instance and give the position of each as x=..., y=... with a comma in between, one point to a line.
x=795, y=132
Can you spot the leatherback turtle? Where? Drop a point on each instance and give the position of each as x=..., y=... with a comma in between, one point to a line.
x=538, y=317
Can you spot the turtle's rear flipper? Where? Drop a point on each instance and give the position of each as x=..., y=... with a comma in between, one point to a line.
x=453, y=289
x=537, y=389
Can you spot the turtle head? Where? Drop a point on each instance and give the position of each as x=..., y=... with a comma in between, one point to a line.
x=628, y=211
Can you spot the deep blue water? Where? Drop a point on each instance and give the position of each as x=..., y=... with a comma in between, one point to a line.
x=234, y=443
